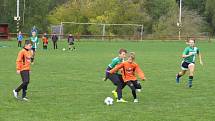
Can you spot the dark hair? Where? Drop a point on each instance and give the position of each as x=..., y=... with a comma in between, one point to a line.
x=27, y=42
x=188, y=39
x=122, y=50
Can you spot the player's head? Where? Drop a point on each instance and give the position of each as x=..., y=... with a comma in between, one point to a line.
x=70, y=34
x=131, y=57
x=27, y=44
x=191, y=42
x=122, y=53
x=20, y=32
x=33, y=33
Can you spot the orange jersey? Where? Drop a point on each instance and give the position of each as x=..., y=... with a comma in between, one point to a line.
x=23, y=60
x=45, y=40
x=129, y=70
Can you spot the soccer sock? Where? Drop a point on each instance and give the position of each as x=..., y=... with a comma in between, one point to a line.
x=32, y=59
x=190, y=80
x=134, y=94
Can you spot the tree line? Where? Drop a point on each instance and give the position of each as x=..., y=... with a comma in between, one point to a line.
x=159, y=17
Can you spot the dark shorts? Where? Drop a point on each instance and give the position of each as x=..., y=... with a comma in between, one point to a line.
x=115, y=78
x=136, y=84
x=33, y=49
x=71, y=43
x=185, y=65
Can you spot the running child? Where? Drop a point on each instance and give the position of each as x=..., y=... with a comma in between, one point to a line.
x=70, y=41
x=116, y=77
x=188, y=62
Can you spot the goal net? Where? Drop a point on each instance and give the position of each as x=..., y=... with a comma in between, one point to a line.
x=101, y=31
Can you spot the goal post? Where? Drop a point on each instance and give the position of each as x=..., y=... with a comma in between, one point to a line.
x=103, y=29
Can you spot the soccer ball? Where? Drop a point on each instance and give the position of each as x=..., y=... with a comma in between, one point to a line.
x=108, y=101
x=64, y=49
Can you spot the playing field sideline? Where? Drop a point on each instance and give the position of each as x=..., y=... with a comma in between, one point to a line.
x=68, y=86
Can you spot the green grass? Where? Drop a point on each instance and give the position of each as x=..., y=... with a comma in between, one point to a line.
x=68, y=86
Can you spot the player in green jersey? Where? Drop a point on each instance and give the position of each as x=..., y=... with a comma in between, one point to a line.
x=116, y=78
x=188, y=63
x=35, y=41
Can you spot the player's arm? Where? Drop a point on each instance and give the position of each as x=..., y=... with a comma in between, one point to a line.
x=19, y=61
x=200, y=57
x=119, y=66
x=186, y=53
x=140, y=73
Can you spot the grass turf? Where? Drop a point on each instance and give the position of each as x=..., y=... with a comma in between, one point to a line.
x=68, y=86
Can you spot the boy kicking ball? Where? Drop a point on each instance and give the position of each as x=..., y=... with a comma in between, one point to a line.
x=23, y=63
x=129, y=69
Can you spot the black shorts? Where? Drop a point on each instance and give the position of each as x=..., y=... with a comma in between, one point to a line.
x=33, y=49
x=135, y=83
x=71, y=43
x=185, y=65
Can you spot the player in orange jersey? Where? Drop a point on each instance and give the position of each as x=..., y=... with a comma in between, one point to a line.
x=23, y=63
x=45, y=41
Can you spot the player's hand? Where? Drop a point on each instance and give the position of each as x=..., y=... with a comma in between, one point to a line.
x=104, y=79
x=201, y=63
x=18, y=71
x=192, y=53
x=144, y=79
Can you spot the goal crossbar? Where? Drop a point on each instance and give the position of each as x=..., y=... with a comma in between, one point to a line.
x=104, y=24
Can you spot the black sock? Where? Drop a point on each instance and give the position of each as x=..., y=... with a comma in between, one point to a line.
x=190, y=78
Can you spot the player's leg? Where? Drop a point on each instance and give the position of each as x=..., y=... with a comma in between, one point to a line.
x=115, y=80
x=69, y=46
x=137, y=85
x=191, y=73
x=33, y=55
x=73, y=46
x=26, y=79
x=131, y=85
x=184, y=68
x=56, y=44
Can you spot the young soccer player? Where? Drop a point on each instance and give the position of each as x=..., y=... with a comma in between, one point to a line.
x=71, y=40
x=19, y=39
x=54, y=40
x=35, y=41
x=23, y=63
x=188, y=63
x=116, y=77
x=45, y=41
x=129, y=69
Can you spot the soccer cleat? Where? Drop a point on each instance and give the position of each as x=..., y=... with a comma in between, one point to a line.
x=114, y=93
x=138, y=90
x=121, y=101
x=190, y=84
x=25, y=99
x=177, y=79
x=15, y=94
x=136, y=101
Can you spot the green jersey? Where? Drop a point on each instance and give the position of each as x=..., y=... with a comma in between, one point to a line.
x=187, y=50
x=114, y=62
x=34, y=41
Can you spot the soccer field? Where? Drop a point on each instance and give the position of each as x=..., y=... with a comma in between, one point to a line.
x=68, y=86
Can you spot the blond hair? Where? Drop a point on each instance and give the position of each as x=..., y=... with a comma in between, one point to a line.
x=132, y=55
